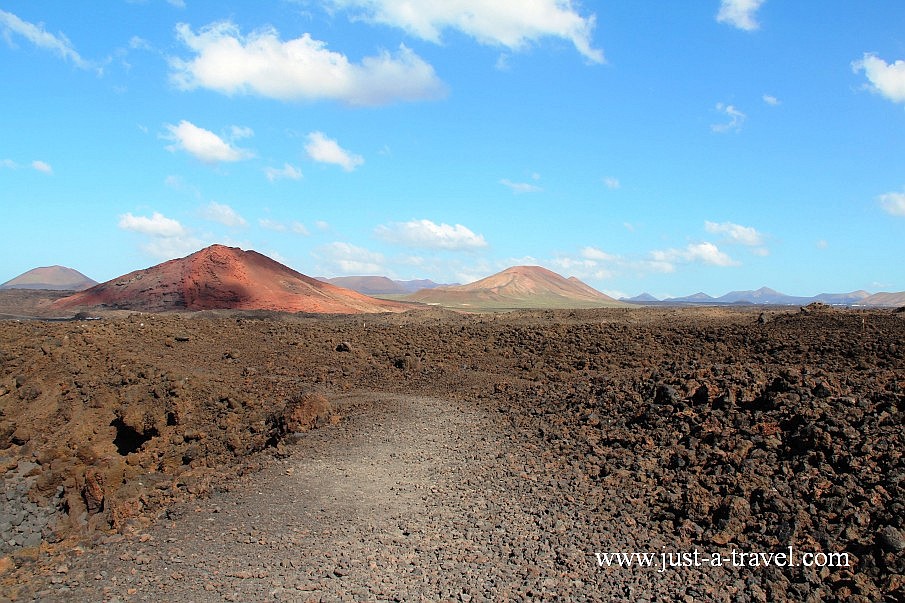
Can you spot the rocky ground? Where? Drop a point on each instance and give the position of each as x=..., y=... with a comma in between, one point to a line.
x=455, y=457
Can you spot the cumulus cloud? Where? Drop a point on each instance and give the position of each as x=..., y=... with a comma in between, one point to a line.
x=893, y=203
x=592, y=263
x=168, y=238
x=886, y=79
x=612, y=183
x=157, y=225
x=273, y=225
x=345, y=258
x=203, y=144
x=261, y=63
x=513, y=24
x=703, y=253
x=288, y=172
x=42, y=166
x=427, y=234
x=326, y=150
x=58, y=44
x=739, y=13
x=771, y=100
x=736, y=119
x=224, y=214
x=521, y=187
x=736, y=233
x=299, y=229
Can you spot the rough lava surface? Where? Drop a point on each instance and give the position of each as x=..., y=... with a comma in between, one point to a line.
x=220, y=277
x=485, y=457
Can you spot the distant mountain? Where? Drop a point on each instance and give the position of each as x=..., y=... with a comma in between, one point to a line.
x=884, y=299
x=380, y=285
x=517, y=287
x=842, y=299
x=57, y=278
x=764, y=295
x=640, y=299
x=219, y=277
x=696, y=298
x=767, y=296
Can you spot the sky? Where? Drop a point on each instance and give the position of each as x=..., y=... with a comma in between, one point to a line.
x=642, y=146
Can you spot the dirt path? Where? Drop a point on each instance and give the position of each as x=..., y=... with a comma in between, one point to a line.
x=409, y=499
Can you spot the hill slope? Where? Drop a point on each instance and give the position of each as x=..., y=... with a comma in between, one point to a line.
x=220, y=277
x=518, y=287
x=57, y=278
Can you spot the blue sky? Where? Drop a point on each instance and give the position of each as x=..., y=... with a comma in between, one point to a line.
x=641, y=146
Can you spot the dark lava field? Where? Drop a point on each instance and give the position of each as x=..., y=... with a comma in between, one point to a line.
x=698, y=429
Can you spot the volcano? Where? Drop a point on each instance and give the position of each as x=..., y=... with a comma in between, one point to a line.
x=56, y=278
x=518, y=287
x=220, y=277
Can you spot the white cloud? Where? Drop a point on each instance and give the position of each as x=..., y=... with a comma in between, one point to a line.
x=300, y=69
x=427, y=234
x=168, y=248
x=521, y=187
x=326, y=150
x=157, y=225
x=597, y=255
x=289, y=172
x=177, y=3
x=612, y=183
x=893, y=203
x=37, y=35
x=513, y=24
x=168, y=238
x=736, y=233
x=240, y=132
x=771, y=100
x=299, y=229
x=736, y=119
x=346, y=258
x=322, y=225
x=886, y=79
x=139, y=43
x=203, y=144
x=274, y=225
x=42, y=166
x=739, y=13
x=224, y=214
x=703, y=253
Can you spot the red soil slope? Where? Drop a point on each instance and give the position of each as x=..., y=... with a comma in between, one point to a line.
x=220, y=277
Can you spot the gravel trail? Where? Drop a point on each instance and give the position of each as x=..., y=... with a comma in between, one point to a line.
x=408, y=499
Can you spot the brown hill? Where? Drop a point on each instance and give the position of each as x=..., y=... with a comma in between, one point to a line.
x=219, y=277
x=518, y=287
x=56, y=278
x=884, y=299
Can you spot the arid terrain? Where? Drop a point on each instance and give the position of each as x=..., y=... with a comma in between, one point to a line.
x=255, y=456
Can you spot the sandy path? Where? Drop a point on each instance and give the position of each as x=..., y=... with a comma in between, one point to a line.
x=410, y=498
x=393, y=504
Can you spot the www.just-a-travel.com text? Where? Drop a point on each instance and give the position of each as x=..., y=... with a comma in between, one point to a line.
x=665, y=560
